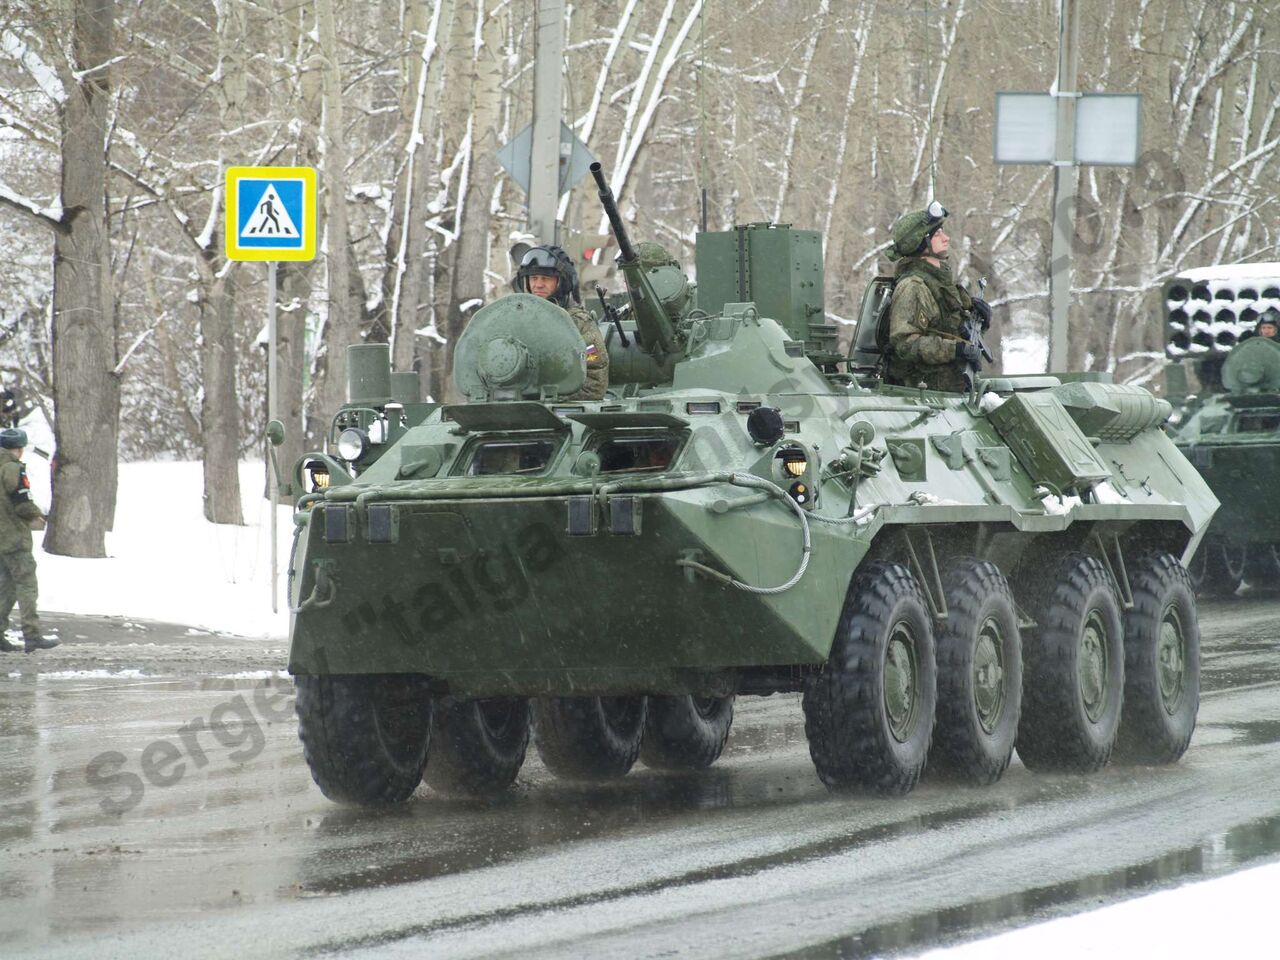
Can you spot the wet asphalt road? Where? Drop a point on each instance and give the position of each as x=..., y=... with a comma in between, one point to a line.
x=239, y=854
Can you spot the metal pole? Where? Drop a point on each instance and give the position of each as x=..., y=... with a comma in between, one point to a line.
x=1064, y=186
x=272, y=411
x=544, y=161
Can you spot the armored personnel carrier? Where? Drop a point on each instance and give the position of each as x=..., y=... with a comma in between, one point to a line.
x=1227, y=418
x=1233, y=438
x=748, y=512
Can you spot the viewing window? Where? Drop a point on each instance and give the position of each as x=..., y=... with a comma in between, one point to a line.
x=621, y=454
x=493, y=457
x=1258, y=423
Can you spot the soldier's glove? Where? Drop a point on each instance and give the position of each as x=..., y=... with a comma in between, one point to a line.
x=968, y=352
x=983, y=311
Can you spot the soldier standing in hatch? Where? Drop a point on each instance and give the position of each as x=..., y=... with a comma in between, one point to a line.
x=19, y=515
x=929, y=307
x=548, y=272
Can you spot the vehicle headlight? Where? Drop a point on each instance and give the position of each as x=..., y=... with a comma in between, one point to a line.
x=794, y=462
x=353, y=443
x=319, y=473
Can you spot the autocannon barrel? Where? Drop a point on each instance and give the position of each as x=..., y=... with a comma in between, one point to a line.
x=611, y=211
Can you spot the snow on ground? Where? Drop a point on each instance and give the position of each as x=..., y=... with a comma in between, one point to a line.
x=165, y=561
x=1023, y=353
x=1225, y=917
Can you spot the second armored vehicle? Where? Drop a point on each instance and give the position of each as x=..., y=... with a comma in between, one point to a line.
x=1221, y=323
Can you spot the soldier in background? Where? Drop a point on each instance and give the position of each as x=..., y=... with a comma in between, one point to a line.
x=1268, y=326
x=19, y=515
x=929, y=308
x=548, y=272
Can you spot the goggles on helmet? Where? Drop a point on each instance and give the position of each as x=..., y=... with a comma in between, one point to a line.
x=539, y=258
x=935, y=212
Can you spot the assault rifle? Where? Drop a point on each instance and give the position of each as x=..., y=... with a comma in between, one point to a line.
x=610, y=314
x=971, y=331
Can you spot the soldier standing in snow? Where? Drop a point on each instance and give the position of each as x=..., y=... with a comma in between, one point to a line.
x=549, y=273
x=929, y=309
x=19, y=515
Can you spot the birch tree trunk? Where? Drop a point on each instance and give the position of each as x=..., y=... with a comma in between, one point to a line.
x=297, y=279
x=86, y=389
x=219, y=409
x=341, y=328
x=405, y=287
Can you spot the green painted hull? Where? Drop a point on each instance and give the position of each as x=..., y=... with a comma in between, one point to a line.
x=493, y=596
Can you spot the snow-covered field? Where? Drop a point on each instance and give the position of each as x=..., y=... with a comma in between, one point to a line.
x=165, y=561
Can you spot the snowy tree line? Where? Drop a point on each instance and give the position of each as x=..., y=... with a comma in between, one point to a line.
x=117, y=122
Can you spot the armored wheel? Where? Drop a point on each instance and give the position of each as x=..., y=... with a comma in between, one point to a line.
x=365, y=737
x=685, y=733
x=1262, y=567
x=979, y=674
x=1161, y=662
x=1217, y=569
x=477, y=746
x=869, y=714
x=1073, y=669
x=589, y=738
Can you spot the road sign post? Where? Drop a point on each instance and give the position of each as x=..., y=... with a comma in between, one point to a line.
x=1066, y=128
x=271, y=216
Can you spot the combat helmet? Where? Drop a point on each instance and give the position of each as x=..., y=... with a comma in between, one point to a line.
x=1272, y=316
x=549, y=261
x=911, y=231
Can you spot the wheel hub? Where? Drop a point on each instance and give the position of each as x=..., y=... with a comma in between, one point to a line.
x=1093, y=666
x=901, y=681
x=1171, y=660
x=988, y=675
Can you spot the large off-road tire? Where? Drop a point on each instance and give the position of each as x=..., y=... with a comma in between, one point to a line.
x=1073, y=669
x=685, y=733
x=1217, y=569
x=589, y=738
x=869, y=714
x=477, y=746
x=364, y=736
x=979, y=674
x=1262, y=567
x=1161, y=662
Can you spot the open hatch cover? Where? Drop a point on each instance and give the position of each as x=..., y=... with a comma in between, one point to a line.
x=514, y=415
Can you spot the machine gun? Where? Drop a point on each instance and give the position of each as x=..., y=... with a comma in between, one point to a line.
x=971, y=331
x=653, y=312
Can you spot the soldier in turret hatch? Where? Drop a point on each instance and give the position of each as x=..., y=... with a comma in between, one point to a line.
x=548, y=272
x=929, y=310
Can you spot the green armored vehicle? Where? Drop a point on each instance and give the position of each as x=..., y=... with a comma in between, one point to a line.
x=749, y=511
x=1220, y=323
x=1233, y=439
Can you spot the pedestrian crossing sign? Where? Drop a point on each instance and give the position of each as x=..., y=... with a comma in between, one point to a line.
x=271, y=213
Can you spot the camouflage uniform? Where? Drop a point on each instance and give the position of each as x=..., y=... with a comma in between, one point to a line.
x=17, y=565
x=597, y=355
x=925, y=316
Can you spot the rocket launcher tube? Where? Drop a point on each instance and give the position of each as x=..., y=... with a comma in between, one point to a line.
x=653, y=326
